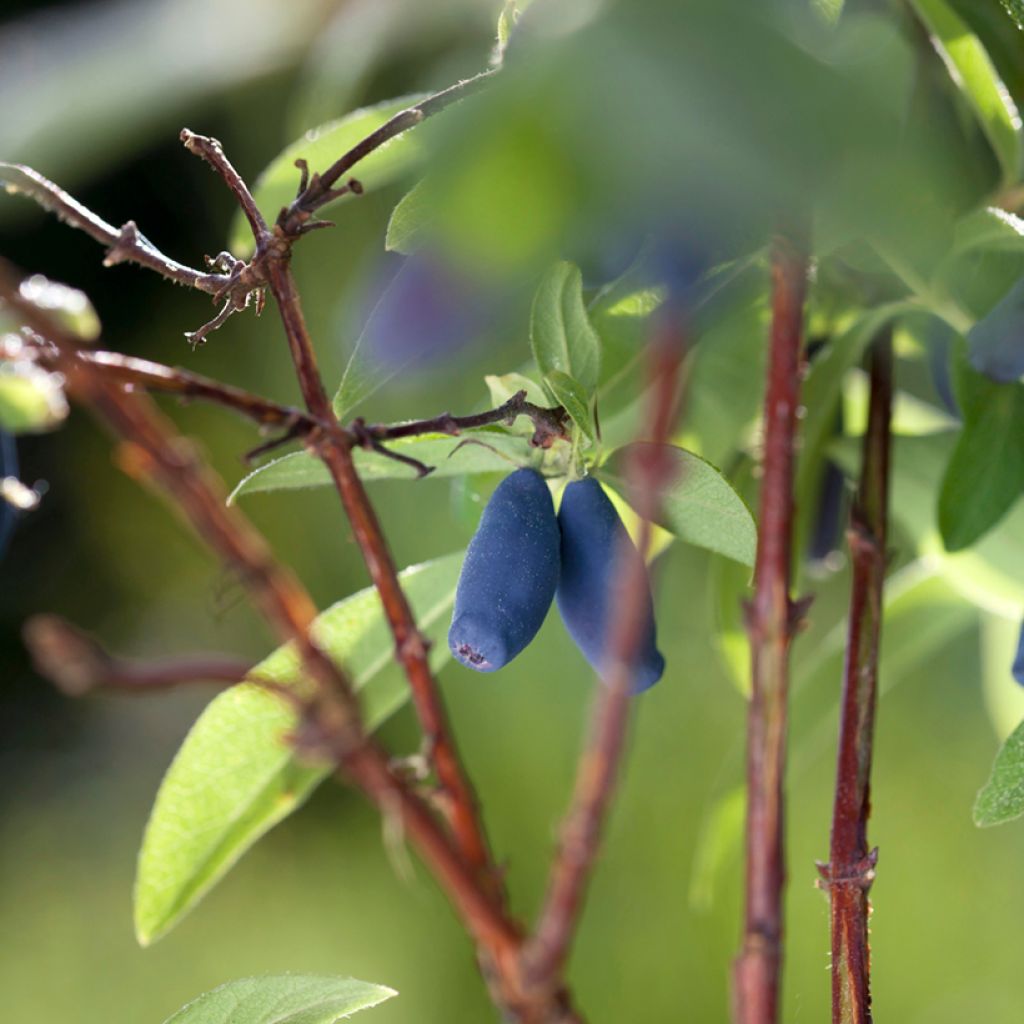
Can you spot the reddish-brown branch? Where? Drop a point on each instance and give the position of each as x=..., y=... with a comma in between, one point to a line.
x=772, y=619
x=152, y=451
x=548, y=949
x=411, y=648
x=851, y=868
x=77, y=664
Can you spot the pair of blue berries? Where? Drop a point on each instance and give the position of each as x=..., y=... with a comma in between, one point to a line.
x=522, y=557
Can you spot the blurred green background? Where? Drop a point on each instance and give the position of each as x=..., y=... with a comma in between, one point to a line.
x=93, y=95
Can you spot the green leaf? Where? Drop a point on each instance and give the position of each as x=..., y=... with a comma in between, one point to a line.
x=974, y=74
x=276, y=187
x=698, y=503
x=561, y=335
x=234, y=777
x=410, y=220
x=569, y=393
x=992, y=229
x=482, y=451
x=985, y=475
x=283, y=999
x=1001, y=799
x=991, y=573
x=31, y=398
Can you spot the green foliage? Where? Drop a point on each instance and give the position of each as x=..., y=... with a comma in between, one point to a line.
x=483, y=451
x=235, y=777
x=565, y=345
x=974, y=74
x=985, y=474
x=698, y=503
x=276, y=186
x=409, y=220
x=1001, y=799
x=283, y=999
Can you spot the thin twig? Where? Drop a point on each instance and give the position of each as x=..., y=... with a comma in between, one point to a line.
x=318, y=190
x=851, y=868
x=212, y=152
x=772, y=620
x=143, y=373
x=125, y=244
x=78, y=664
x=582, y=827
x=549, y=424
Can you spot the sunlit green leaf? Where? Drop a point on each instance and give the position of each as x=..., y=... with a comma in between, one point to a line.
x=234, y=777
x=1001, y=799
x=985, y=475
x=283, y=999
x=974, y=75
x=480, y=451
x=698, y=504
x=409, y=220
x=275, y=188
x=561, y=334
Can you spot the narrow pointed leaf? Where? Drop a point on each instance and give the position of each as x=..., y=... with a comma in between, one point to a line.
x=698, y=504
x=283, y=999
x=1001, y=799
x=234, y=777
x=479, y=451
x=561, y=334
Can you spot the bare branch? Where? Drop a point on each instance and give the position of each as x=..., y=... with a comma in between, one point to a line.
x=77, y=664
x=851, y=868
x=212, y=152
x=125, y=244
x=772, y=620
x=597, y=773
x=142, y=373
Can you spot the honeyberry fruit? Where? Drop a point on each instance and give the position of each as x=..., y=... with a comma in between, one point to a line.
x=509, y=576
x=594, y=541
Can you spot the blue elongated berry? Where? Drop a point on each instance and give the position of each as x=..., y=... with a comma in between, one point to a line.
x=509, y=576
x=593, y=543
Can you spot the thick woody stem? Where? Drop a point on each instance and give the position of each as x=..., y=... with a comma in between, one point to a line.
x=411, y=648
x=851, y=869
x=546, y=953
x=772, y=619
